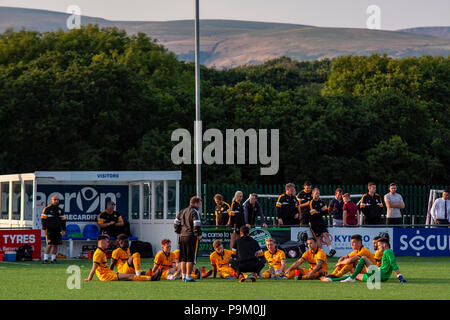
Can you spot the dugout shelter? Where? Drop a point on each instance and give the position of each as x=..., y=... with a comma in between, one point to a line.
x=148, y=200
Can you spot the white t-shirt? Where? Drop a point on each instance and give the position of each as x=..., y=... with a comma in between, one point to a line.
x=393, y=198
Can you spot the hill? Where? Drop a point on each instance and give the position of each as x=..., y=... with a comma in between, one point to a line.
x=229, y=43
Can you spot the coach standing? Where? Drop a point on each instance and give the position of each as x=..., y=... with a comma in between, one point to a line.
x=187, y=225
x=287, y=207
x=54, y=226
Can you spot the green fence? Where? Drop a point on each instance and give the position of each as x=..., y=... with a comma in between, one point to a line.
x=415, y=197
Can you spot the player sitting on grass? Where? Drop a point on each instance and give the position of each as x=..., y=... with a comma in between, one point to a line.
x=317, y=260
x=125, y=261
x=165, y=261
x=388, y=264
x=220, y=261
x=347, y=263
x=276, y=259
x=377, y=253
x=104, y=273
x=195, y=271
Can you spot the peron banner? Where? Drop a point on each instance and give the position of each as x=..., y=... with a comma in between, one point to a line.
x=82, y=203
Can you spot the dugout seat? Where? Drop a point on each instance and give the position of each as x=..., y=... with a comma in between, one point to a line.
x=91, y=231
x=73, y=228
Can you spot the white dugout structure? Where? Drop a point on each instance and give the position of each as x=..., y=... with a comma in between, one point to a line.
x=149, y=200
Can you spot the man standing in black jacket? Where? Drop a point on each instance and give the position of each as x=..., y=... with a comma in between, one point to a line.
x=54, y=226
x=252, y=208
x=287, y=207
x=371, y=205
x=187, y=225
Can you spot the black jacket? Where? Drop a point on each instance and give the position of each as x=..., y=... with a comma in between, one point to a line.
x=250, y=212
x=53, y=218
x=187, y=223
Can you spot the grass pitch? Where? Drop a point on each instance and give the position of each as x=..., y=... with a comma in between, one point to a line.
x=428, y=278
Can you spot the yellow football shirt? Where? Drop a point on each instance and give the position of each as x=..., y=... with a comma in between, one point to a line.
x=121, y=256
x=274, y=259
x=312, y=258
x=165, y=261
x=177, y=254
x=221, y=261
x=363, y=252
x=378, y=256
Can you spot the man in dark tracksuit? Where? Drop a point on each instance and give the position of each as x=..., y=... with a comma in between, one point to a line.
x=371, y=205
x=249, y=256
x=288, y=207
x=187, y=224
x=54, y=226
x=252, y=208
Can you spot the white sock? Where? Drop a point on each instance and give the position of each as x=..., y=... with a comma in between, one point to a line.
x=183, y=276
x=188, y=277
x=45, y=256
x=53, y=256
x=138, y=272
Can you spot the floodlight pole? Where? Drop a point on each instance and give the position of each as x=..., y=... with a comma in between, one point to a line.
x=198, y=127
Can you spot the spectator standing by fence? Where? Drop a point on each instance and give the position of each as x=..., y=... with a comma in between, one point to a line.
x=371, y=205
x=335, y=208
x=440, y=211
x=394, y=202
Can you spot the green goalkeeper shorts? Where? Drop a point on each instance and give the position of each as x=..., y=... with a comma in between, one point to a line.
x=383, y=277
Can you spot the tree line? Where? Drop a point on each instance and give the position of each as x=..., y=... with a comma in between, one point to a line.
x=99, y=99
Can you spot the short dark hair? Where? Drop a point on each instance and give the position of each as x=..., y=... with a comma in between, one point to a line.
x=164, y=241
x=245, y=230
x=254, y=195
x=338, y=190
x=216, y=243
x=218, y=196
x=446, y=190
x=289, y=185
x=307, y=183
x=121, y=237
x=195, y=200
x=356, y=237
x=377, y=238
x=312, y=238
x=384, y=240
x=370, y=183
x=103, y=237
x=392, y=184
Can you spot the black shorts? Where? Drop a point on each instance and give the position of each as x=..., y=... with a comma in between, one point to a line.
x=187, y=249
x=54, y=237
x=372, y=220
x=304, y=219
x=394, y=221
x=318, y=229
x=253, y=265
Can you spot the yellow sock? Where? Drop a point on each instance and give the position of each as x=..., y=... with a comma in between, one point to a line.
x=344, y=270
x=142, y=278
x=137, y=261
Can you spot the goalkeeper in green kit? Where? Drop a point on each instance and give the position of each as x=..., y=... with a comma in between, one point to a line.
x=388, y=264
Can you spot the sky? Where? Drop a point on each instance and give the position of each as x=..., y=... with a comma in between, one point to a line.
x=394, y=14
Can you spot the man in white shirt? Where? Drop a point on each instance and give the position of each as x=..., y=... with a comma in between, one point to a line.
x=394, y=202
x=440, y=211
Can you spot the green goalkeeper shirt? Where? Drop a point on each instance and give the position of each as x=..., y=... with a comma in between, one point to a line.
x=388, y=264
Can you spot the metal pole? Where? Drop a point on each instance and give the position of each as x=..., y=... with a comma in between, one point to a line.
x=198, y=129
